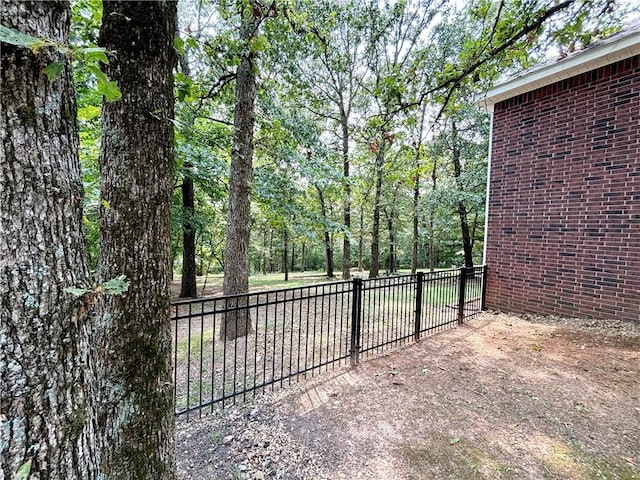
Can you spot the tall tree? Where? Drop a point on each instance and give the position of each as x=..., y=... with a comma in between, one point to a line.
x=136, y=165
x=188, y=286
x=47, y=417
x=328, y=77
x=236, y=252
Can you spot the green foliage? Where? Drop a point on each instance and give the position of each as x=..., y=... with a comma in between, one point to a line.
x=87, y=56
x=23, y=471
x=391, y=75
x=19, y=39
x=115, y=286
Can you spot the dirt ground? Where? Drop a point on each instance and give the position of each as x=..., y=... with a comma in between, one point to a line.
x=501, y=397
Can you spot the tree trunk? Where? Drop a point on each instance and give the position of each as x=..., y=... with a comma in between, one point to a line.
x=462, y=209
x=346, y=242
x=392, y=241
x=265, y=246
x=285, y=251
x=374, y=269
x=136, y=164
x=416, y=193
x=415, y=237
x=328, y=248
x=47, y=414
x=293, y=256
x=432, y=218
x=236, y=252
x=189, y=288
x=361, y=242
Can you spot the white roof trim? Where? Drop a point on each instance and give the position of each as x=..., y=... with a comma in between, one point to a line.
x=610, y=50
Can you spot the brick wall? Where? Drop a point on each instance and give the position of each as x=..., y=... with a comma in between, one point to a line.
x=564, y=203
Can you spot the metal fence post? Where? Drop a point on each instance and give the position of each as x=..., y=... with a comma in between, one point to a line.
x=355, y=321
x=462, y=294
x=418, y=320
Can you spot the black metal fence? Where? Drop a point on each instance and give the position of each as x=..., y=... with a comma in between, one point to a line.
x=304, y=330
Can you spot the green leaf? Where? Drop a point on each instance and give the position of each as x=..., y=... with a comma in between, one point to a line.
x=95, y=54
x=14, y=37
x=76, y=292
x=88, y=113
x=53, y=70
x=116, y=286
x=179, y=44
x=105, y=204
x=23, y=471
x=106, y=87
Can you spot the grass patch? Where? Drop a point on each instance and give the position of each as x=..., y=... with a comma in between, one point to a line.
x=182, y=348
x=461, y=460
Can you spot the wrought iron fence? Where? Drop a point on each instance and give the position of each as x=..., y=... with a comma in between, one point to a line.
x=283, y=334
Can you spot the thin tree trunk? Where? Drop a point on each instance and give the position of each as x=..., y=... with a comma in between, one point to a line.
x=328, y=248
x=189, y=288
x=346, y=242
x=415, y=237
x=361, y=242
x=265, y=246
x=285, y=252
x=293, y=256
x=236, y=252
x=392, y=241
x=416, y=193
x=374, y=269
x=47, y=380
x=271, y=265
x=303, y=260
x=136, y=164
x=462, y=209
x=432, y=219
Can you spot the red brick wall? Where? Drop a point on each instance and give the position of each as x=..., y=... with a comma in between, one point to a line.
x=564, y=203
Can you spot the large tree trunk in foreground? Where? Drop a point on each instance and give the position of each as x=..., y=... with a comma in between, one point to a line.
x=46, y=412
x=188, y=286
x=236, y=252
x=136, y=165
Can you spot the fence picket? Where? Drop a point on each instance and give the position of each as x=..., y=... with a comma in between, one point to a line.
x=303, y=330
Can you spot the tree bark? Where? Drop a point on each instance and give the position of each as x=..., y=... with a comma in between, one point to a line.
x=188, y=287
x=416, y=193
x=374, y=269
x=328, y=248
x=361, y=241
x=136, y=164
x=346, y=241
x=293, y=256
x=432, y=218
x=415, y=237
x=236, y=252
x=285, y=254
x=467, y=246
x=392, y=241
x=47, y=412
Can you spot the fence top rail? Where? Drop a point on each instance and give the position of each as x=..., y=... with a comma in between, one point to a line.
x=367, y=283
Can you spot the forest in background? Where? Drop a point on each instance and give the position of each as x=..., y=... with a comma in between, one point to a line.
x=369, y=150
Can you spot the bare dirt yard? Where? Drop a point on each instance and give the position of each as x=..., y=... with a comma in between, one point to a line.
x=501, y=397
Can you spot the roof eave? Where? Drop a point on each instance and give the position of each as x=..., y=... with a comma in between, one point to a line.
x=585, y=61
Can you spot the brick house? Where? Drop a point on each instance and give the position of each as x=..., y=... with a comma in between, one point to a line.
x=563, y=209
